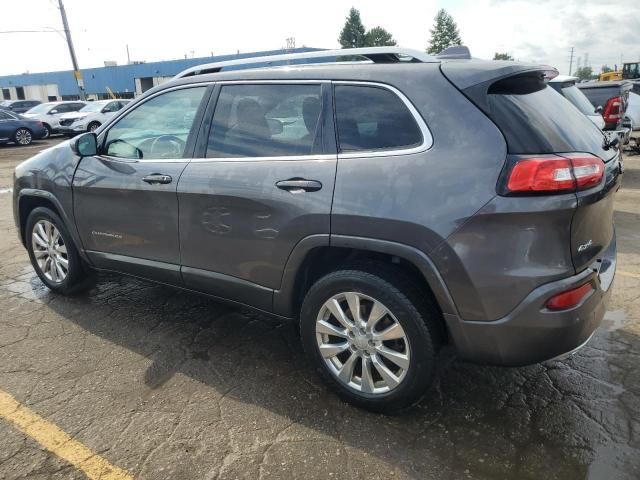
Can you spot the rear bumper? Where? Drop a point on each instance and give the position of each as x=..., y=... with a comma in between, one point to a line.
x=531, y=333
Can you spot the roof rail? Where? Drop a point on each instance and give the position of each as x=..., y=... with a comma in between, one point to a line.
x=370, y=54
x=455, y=52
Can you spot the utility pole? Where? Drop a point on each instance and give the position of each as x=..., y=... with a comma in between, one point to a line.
x=72, y=52
x=128, y=56
x=571, y=61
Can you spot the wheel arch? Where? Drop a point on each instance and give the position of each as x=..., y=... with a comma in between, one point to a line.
x=28, y=199
x=317, y=255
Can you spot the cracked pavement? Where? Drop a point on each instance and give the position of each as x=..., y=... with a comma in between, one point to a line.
x=170, y=385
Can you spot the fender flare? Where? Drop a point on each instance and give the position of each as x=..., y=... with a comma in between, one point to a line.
x=283, y=298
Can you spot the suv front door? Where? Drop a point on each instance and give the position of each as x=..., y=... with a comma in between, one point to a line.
x=125, y=200
x=263, y=184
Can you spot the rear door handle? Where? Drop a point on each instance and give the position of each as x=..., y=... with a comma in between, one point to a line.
x=299, y=185
x=157, y=178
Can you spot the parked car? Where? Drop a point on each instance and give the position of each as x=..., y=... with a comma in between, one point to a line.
x=611, y=99
x=90, y=117
x=633, y=113
x=19, y=130
x=49, y=113
x=385, y=217
x=566, y=86
x=18, y=106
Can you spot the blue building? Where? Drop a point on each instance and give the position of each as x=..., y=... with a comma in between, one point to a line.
x=125, y=81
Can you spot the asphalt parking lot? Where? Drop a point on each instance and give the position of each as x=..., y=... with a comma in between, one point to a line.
x=161, y=384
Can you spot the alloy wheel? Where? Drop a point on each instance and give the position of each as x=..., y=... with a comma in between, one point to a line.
x=362, y=343
x=23, y=136
x=50, y=251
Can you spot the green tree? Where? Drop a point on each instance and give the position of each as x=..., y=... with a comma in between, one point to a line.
x=606, y=69
x=584, y=73
x=444, y=33
x=353, y=35
x=379, y=37
x=502, y=56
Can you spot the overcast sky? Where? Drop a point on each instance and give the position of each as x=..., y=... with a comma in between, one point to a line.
x=539, y=31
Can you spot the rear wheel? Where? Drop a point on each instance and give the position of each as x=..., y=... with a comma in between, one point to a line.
x=23, y=137
x=53, y=254
x=372, y=340
x=47, y=132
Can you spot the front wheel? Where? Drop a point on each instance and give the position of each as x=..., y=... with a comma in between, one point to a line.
x=93, y=126
x=371, y=336
x=47, y=131
x=53, y=255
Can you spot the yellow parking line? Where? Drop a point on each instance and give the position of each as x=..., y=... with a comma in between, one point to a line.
x=628, y=274
x=58, y=442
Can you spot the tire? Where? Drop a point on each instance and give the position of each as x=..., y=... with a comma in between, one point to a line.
x=23, y=137
x=47, y=132
x=66, y=280
x=93, y=126
x=419, y=322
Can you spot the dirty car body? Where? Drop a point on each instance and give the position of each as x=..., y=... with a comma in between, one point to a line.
x=261, y=213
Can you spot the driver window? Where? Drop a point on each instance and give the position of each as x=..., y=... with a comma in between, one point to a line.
x=156, y=129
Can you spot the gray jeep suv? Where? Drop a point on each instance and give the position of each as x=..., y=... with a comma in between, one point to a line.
x=390, y=205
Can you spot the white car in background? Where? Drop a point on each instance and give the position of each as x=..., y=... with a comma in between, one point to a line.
x=566, y=86
x=89, y=118
x=633, y=113
x=49, y=113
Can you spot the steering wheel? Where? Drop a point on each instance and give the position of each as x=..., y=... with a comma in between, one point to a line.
x=176, y=147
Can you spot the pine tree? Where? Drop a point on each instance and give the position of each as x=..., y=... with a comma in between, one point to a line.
x=502, y=56
x=353, y=34
x=444, y=34
x=379, y=37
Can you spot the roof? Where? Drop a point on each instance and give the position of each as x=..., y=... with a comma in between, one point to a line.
x=624, y=84
x=369, y=54
x=564, y=78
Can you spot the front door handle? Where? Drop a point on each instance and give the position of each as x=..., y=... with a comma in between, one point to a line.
x=299, y=185
x=157, y=178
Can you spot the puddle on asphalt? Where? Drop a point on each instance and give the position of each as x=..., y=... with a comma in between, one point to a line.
x=614, y=320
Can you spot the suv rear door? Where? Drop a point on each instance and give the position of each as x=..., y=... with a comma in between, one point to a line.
x=264, y=182
x=125, y=200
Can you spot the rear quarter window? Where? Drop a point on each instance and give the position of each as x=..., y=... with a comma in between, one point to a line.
x=373, y=118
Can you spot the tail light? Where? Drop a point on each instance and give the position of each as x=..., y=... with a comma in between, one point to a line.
x=612, y=112
x=554, y=173
x=570, y=298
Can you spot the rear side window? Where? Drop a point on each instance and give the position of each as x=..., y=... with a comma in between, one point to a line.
x=373, y=118
x=266, y=121
x=534, y=119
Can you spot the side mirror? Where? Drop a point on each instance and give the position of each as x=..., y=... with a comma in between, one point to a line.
x=599, y=109
x=53, y=112
x=85, y=145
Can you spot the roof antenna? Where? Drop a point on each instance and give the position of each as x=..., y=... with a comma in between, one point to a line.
x=455, y=52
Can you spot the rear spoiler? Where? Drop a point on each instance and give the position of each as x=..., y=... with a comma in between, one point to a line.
x=475, y=77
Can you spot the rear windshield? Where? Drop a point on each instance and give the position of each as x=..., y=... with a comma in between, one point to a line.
x=534, y=119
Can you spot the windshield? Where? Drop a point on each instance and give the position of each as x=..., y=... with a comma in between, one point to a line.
x=92, y=107
x=575, y=96
x=42, y=108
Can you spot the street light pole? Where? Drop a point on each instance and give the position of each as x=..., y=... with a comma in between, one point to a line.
x=72, y=52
